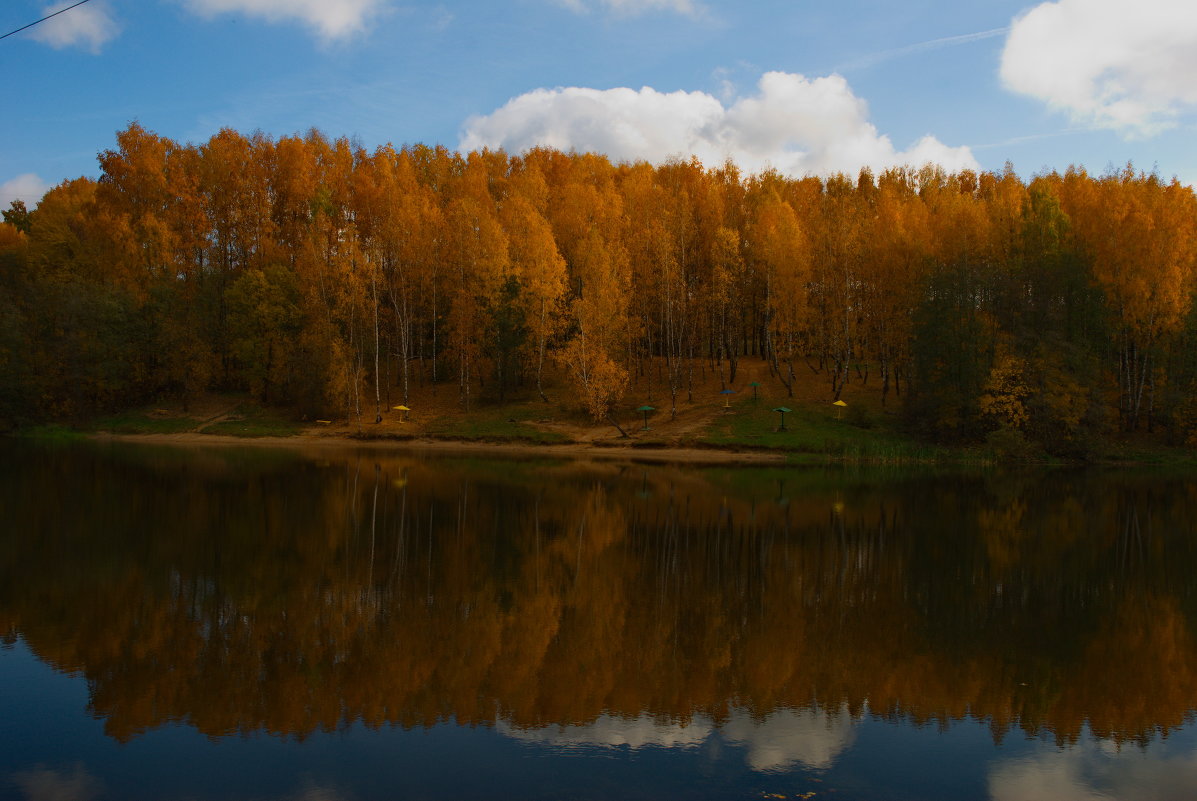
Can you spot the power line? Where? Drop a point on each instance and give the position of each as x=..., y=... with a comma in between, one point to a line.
x=43, y=19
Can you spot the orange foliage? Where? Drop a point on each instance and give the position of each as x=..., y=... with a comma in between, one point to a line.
x=419, y=264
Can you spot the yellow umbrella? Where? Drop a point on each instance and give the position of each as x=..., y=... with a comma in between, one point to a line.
x=840, y=410
x=401, y=408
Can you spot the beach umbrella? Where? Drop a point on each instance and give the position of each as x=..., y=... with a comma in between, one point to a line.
x=840, y=410
x=726, y=399
x=403, y=409
x=754, y=385
x=646, y=410
x=783, y=411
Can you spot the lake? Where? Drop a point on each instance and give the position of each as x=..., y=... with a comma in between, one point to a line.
x=336, y=625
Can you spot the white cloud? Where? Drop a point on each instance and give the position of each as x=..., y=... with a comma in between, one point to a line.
x=794, y=124
x=27, y=187
x=1121, y=64
x=631, y=8
x=89, y=26
x=331, y=19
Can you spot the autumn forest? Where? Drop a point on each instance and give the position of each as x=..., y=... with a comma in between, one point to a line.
x=330, y=280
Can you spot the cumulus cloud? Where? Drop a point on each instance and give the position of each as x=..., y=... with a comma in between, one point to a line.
x=331, y=19
x=632, y=7
x=1127, y=65
x=27, y=187
x=89, y=26
x=797, y=125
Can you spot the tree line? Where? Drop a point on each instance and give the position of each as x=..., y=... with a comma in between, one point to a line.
x=322, y=276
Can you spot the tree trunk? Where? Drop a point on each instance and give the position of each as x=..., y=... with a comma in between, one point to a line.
x=611, y=420
x=377, y=349
x=541, y=350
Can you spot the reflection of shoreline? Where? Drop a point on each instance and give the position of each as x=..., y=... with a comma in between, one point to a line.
x=781, y=740
x=418, y=445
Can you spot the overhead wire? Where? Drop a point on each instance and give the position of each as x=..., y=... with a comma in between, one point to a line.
x=43, y=19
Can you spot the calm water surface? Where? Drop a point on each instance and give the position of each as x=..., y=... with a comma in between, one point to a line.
x=248, y=623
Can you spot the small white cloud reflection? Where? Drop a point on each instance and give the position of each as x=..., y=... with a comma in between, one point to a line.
x=781, y=740
x=1097, y=771
x=314, y=792
x=787, y=738
x=611, y=732
x=44, y=784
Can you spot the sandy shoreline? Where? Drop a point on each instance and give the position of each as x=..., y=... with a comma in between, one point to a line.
x=581, y=451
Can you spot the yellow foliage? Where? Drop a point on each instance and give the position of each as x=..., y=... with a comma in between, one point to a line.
x=1185, y=417
x=1005, y=392
x=601, y=382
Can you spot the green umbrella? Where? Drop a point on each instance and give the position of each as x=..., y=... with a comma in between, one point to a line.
x=646, y=410
x=754, y=385
x=783, y=411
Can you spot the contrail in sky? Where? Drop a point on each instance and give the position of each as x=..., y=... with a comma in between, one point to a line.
x=873, y=59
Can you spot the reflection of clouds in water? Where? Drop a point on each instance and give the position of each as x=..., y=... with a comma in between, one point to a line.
x=780, y=740
x=786, y=738
x=43, y=784
x=1094, y=771
x=612, y=731
x=314, y=792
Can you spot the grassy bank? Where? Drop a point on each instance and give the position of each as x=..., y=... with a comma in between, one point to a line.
x=236, y=417
x=522, y=422
x=254, y=420
x=815, y=431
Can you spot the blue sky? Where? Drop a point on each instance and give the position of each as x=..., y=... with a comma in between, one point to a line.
x=803, y=86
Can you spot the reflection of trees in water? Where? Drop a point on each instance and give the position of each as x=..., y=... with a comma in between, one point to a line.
x=297, y=596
